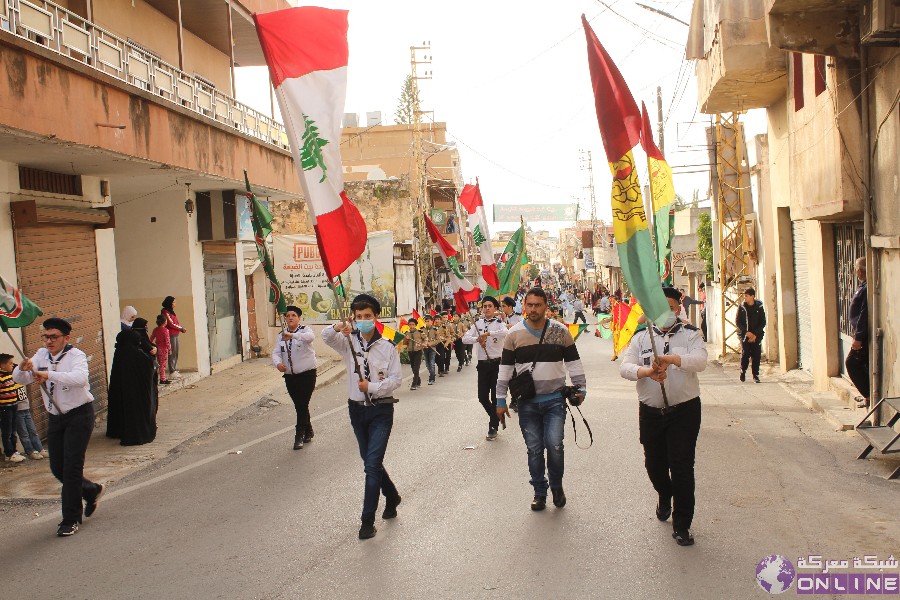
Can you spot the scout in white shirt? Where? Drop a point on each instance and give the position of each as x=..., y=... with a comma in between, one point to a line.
x=62, y=372
x=669, y=430
x=373, y=373
x=487, y=335
x=294, y=356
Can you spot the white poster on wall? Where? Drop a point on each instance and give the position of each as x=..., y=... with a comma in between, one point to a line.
x=304, y=284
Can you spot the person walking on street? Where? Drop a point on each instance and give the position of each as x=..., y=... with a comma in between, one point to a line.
x=415, y=345
x=509, y=312
x=751, y=325
x=429, y=354
x=459, y=348
x=487, y=335
x=857, y=362
x=669, y=427
x=579, y=311
x=702, y=297
x=547, y=350
x=62, y=372
x=294, y=357
x=371, y=401
x=175, y=329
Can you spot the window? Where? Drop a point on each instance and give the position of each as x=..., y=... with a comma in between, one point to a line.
x=797, y=70
x=819, y=74
x=46, y=181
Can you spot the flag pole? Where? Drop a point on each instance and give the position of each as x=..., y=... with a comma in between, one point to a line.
x=14, y=343
x=337, y=299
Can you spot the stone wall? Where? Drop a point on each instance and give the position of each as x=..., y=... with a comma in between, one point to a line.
x=385, y=206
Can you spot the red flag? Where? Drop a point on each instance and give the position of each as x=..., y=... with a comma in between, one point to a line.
x=416, y=315
x=647, y=143
x=470, y=198
x=434, y=313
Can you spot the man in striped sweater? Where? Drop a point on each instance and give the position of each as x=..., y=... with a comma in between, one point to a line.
x=543, y=417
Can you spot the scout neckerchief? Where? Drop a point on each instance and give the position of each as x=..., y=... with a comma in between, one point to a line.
x=49, y=389
x=365, y=348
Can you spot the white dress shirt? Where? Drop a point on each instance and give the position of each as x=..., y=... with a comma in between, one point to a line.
x=379, y=355
x=68, y=378
x=302, y=357
x=496, y=329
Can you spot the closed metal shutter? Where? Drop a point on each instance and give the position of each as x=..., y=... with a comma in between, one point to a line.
x=801, y=286
x=57, y=270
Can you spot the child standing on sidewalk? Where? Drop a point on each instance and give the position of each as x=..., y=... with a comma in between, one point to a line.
x=9, y=397
x=160, y=337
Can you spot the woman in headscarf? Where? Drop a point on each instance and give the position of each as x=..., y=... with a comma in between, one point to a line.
x=131, y=414
x=175, y=329
x=128, y=316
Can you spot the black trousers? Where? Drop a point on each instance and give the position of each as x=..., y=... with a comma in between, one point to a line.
x=670, y=444
x=703, y=324
x=67, y=441
x=8, y=418
x=415, y=363
x=487, y=389
x=579, y=315
x=751, y=351
x=300, y=388
x=443, y=358
x=857, y=364
x=460, y=350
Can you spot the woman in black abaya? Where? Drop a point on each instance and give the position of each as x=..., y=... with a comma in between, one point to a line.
x=132, y=388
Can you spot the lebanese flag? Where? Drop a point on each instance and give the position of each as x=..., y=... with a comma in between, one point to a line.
x=470, y=198
x=463, y=290
x=306, y=51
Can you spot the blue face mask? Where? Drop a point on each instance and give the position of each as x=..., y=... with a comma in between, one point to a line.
x=365, y=326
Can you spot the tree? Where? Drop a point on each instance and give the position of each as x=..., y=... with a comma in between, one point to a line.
x=409, y=98
x=704, y=244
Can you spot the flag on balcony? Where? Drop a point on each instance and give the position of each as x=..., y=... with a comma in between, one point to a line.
x=389, y=333
x=662, y=193
x=261, y=219
x=620, y=127
x=464, y=291
x=510, y=265
x=470, y=198
x=306, y=50
x=15, y=309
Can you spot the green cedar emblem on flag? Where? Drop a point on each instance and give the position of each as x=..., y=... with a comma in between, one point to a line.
x=478, y=235
x=311, y=153
x=15, y=309
x=261, y=219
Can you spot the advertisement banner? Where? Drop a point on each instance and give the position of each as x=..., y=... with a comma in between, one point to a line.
x=510, y=213
x=305, y=285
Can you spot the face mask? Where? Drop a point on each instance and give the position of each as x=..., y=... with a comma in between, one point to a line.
x=365, y=326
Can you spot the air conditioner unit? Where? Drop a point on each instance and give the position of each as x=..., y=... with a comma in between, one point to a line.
x=373, y=118
x=351, y=120
x=880, y=22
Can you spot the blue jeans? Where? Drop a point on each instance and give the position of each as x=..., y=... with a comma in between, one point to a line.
x=430, y=360
x=543, y=427
x=28, y=434
x=372, y=427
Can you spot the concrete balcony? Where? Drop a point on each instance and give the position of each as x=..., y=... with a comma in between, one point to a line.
x=736, y=68
x=608, y=256
x=829, y=27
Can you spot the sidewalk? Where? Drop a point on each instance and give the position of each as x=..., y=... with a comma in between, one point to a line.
x=183, y=415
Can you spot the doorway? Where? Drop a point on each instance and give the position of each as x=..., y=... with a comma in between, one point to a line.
x=223, y=324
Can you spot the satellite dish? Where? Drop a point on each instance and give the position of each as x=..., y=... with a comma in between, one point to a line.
x=376, y=174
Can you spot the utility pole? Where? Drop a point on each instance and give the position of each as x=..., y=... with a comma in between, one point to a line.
x=659, y=121
x=419, y=182
x=587, y=164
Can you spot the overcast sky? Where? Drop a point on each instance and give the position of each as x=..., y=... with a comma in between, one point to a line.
x=511, y=81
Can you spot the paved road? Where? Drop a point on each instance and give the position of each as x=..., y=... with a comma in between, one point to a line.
x=271, y=522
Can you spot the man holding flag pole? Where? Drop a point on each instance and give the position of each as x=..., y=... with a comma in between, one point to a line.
x=669, y=416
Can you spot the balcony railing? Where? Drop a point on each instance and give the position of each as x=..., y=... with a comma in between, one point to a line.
x=59, y=30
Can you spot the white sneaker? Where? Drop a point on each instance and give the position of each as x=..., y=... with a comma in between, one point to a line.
x=175, y=375
x=45, y=453
x=36, y=455
x=15, y=458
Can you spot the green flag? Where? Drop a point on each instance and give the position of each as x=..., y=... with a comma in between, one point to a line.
x=510, y=265
x=15, y=309
x=261, y=219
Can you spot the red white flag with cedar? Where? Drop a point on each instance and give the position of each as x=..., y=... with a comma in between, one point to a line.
x=464, y=291
x=471, y=200
x=306, y=50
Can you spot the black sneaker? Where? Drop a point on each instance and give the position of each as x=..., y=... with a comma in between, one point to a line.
x=756, y=379
x=559, y=497
x=431, y=382
x=743, y=376
x=298, y=443
x=459, y=368
x=683, y=537
x=390, y=508
x=367, y=530
x=309, y=436
x=663, y=510
x=67, y=528
x=91, y=506
x=413, y=388
x=491, y=434
x=539, y=503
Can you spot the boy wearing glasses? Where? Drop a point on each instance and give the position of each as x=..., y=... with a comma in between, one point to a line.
x=62, y=372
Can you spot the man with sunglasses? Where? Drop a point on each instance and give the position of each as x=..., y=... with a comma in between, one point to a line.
x=62, y=372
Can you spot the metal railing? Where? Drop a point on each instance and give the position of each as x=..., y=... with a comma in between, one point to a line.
x=66, y=33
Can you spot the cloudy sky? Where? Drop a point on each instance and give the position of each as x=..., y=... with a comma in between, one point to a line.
x=511, y=81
